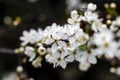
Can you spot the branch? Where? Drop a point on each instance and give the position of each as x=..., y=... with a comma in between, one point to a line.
x=7, y=51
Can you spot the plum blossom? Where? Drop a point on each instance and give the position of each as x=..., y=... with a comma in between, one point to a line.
x=29, y=51
x=90, y=16
x=75, y=18
x=91, y=7
x=105, y=43
x=78, y=39
x=82, y=39
x=58, y=54
x=30, y=37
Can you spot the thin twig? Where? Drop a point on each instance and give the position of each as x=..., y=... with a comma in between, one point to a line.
x=7, y=51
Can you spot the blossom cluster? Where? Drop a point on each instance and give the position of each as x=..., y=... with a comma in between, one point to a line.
x=84, y=39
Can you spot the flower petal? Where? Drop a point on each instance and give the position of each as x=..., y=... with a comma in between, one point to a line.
x=81, y=57
x=70, y=58
x=63, y=64
x=32, y=57
x=92, y=59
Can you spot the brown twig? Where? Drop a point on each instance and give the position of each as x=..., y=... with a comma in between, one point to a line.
x=7, y=51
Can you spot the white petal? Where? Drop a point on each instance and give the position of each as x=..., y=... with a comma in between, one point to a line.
x=52, y=60
x=91, y=7
x=70, y=58
x=32, y=57
x=94, y=28
x=47, y=56
x=54, y=47
x=109, y=54
x=61, y=43
x=64, y=54
x=72, y=39
x=74, y=15
x=70, y=21
x=56, y=54
x=63, y=64
x=81, y=57
x=92, y=59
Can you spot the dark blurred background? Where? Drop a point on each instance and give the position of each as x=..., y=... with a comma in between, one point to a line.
x=19, y=15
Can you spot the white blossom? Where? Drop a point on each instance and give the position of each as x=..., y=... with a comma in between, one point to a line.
x=57, y=59
x=91, y=16
x=89, y=56
x=41, y=50
x=84, y=66
x=30, y=37
x=113, y=27
x=75, y=55
x=58, y=54
x=115, y=24
x=104, y=36
x=117, y=21
x=105, y=43
x=79, y=38
x=70, y=29
x=96, y=25
x=37, y=62
x=29, y=51
x=83, y=39
x=91, y=7
x=75, y=18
